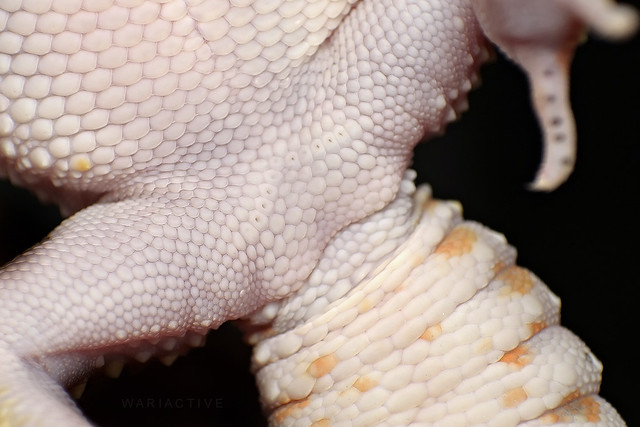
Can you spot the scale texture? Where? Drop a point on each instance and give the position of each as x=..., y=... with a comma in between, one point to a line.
x=247, y=159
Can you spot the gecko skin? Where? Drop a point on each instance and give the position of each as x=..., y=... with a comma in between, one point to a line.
x=227, y=160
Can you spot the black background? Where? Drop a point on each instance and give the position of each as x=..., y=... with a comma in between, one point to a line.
x=582, y=240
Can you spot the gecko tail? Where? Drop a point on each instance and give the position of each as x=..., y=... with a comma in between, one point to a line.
x=541, y=37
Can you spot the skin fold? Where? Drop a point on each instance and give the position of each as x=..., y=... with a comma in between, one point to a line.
x=444, y=191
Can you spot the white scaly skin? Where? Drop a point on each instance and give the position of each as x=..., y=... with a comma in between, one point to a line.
x=77, y=179
x=424, y=338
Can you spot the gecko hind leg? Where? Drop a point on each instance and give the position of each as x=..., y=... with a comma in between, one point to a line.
x=541, y=37
x=604, y=17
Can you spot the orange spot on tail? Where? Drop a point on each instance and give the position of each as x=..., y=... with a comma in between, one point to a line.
x=498, y=267
x=293, y=409
x=536, y=327
x=322, y=365
x=574, y=411
x=591, y=409
x=514, y=397
x=550, y=419
x=432, y=332
x=516, y=280
x=570, y=397
x=519, y=357
x=458, y=242
x=365, y=384
x=321, y=423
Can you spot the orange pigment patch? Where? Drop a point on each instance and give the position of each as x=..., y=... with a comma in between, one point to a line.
x=517, y=280
x=590, y=409
x=283, y=400
x=550, y=419
x=570, y=397
x=432, y=332
x=322, y=365
x=498, y=267
x=514, y=397
x=364, y=384
x=459, y=242
x=290, y=410
x=585, y=408
x=536, y=327
x=321, y=423
x=518, y=357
